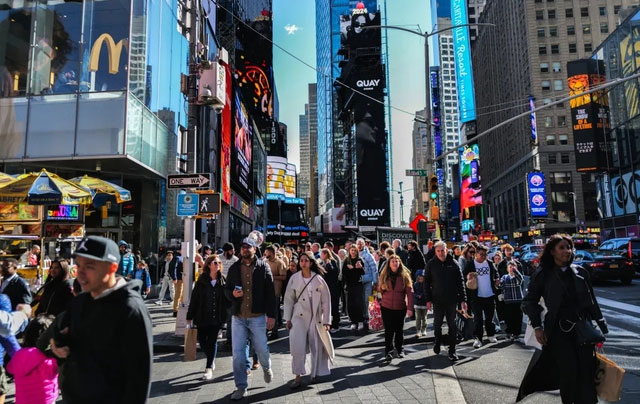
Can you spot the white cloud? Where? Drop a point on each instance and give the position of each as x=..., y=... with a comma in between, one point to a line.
x=291, y=28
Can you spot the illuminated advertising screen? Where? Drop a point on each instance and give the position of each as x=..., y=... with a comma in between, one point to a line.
x=462, y=52
x=368, y=117
x=589, y=113
x=225, y=141
x=534, y=126
x=537, y=194
x=470, y=194
x=435, y=111
x=281, y=177
x=241, y=158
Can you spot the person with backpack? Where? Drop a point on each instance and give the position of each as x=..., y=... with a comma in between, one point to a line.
x=142, y=274
x=127, y=264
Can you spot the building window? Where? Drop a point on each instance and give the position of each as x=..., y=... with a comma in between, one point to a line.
x=563, y=177
x=584, y=11
x=588, y=47
x=562, y=121
x=540, y=32
x=604, y=28
x=564, y=158
x=552, y=158
x=558, y=84
x=557, y=67
x=586, y=29
x=553, y=31
x=544, y=67
x=550, y=140
x=568, y=13
x=571, y=30
x=555, y=49
x=542, y=49
x=572, y=48
x=539, y=15
x=560, y=105
x=545, y=84
x=602, y=10
x=563, y=215
x=616, y=9
x=561, y=197
x=548, y=122
x=551, y=14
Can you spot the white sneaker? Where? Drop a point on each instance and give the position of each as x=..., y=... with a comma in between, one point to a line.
x=354, y=326
x=419, y=334
x=208, y=374
x=268, y=375
x=360, y=326
x=239, y=394
x=493, y=340
x=159, y=303
x=477, y=344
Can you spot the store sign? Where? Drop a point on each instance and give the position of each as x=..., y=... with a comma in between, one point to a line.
x=537, y=194
x=63, y=212
x=114, y=51
x=462, y=52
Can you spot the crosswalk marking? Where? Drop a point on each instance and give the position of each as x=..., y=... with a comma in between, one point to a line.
x=618, y=305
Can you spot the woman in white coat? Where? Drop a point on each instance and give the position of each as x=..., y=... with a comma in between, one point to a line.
x=307, y=310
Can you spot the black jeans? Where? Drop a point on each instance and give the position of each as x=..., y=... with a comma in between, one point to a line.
x=355, y=303
x=513, y=318
x=393, y=321
x=576, y=367
x=208, y=340
x=440, y=312
x=335, y=306
x=483, y=306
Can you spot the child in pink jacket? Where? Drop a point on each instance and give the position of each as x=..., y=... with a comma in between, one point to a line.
x=35, y=374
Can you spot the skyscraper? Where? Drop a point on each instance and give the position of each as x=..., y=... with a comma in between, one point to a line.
x=305, y=154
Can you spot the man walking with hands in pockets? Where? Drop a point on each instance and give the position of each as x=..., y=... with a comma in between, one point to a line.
x=250, y=289
x=444, y=289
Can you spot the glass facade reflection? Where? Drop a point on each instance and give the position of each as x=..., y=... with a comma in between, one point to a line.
x=619, y=186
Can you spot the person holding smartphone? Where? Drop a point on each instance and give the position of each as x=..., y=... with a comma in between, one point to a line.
x=352, y=273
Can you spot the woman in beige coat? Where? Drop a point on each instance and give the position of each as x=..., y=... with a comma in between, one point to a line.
x=307, y=310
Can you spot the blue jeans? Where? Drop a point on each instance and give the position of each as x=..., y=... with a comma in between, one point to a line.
x=243, y=329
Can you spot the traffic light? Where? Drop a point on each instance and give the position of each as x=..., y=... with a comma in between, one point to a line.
x=433, y=188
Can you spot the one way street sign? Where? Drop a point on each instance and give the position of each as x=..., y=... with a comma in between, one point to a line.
x=198, y=180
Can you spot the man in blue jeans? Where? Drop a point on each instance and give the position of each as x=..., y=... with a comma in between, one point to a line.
x=250, y=289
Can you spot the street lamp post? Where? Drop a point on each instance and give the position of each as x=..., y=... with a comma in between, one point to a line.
x=401, y=192
x=575, y=210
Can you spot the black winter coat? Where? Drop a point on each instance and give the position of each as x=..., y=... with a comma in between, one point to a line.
x=415, y=262
x=493, y=273
x=263, y=293
x=208, y=304
x=18, y=291
x=443, y=282
x=110, y=341
x=403, y=254
x=331, y=277
x=542, y=373
x=56, y=297
x=353, y=276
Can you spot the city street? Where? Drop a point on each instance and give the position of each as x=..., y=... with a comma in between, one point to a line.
x=490, y=374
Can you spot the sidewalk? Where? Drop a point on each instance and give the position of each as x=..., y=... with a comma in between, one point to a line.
x=359, y=373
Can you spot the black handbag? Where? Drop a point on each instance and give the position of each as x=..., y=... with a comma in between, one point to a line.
x=587, y=333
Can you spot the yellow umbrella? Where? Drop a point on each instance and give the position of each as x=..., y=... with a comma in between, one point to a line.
x=5, y=178
x=44, y=188
x=98, y=186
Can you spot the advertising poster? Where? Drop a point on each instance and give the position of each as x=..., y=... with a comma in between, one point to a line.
x=370, y=133
x=281, y=177
x=462, y=52
x=629, y=62
x=589, y=113
x=470, y=194
x=534, y=126
x=225, y=142
x=537, y=194
x=435, y=112
x=241, y=158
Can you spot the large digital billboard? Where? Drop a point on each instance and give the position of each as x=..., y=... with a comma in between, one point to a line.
x=225, y=140
x=537, y=194
x=470, y=190
x=281, y=177
x=367, y=76
x=589, y=113
x=241, y=157
x=462, y=52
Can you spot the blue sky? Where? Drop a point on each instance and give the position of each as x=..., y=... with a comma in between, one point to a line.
x=406, y=70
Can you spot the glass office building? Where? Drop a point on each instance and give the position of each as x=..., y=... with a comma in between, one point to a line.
x=93, y=87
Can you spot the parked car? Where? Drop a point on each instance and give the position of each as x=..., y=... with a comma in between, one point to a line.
x=606, y=265
x=627, y=246
x=530, y=262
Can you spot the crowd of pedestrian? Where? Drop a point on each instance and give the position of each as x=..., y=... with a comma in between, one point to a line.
x=91, y=334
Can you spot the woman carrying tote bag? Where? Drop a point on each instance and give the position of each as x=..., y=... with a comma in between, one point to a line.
x=307, y=310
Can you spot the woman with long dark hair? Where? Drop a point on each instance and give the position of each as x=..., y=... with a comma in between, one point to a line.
x=57, y=291
x=397, y=302
x=567, y=360
x=352, y=273
x=208, y=310
x=307, y=310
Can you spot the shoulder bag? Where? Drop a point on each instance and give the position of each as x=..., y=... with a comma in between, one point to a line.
x=303, y=289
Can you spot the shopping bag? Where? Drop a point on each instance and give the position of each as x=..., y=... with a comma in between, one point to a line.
x=190, y=343
x=464, y=326
x=609, y=377
x=530, y=333
x=375, y=316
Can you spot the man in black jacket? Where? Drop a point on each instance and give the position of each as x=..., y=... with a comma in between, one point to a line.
x=415, y=260
x=250, y=289
x=13, y=285
x=105, y=336
x=444, y=289
x=175, y=269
